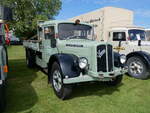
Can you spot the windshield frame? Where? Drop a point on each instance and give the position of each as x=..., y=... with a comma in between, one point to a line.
x=86, y=38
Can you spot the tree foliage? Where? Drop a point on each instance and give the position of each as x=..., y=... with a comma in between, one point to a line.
x=26, y=13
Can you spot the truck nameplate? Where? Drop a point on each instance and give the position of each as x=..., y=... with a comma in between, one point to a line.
x=74, y=45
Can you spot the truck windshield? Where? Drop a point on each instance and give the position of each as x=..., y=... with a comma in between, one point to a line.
x=74, y=31
x=135, y=34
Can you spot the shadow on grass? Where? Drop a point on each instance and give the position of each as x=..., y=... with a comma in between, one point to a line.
x=94, y=89
x=20, y=93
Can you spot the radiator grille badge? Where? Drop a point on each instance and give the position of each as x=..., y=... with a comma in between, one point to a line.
x=101, y=53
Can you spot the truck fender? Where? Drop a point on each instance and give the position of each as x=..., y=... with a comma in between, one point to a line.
x=68, y=64
x=144, y=55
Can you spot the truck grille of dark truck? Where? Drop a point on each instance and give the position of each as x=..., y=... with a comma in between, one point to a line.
x=104, y=52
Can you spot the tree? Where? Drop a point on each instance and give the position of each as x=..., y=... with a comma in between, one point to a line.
x=26, y=13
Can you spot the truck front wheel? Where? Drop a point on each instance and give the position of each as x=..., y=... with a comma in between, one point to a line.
x=115, y=81
x=137, y=68
x=61, y=90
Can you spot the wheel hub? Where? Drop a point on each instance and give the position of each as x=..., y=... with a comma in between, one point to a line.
x=57, y=80
x=136, y=68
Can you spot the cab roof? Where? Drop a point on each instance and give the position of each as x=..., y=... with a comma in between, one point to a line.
x=56, y=22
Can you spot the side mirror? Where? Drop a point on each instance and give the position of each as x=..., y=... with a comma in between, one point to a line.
x=139, y=39
x=139, y=42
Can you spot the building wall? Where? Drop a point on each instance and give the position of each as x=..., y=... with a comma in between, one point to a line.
x=106, y=18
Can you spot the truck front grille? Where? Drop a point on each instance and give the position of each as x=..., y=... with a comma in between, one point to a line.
x=105, y=58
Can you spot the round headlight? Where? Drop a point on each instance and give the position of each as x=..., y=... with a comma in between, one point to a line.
x=83, y=62
x=122, y=59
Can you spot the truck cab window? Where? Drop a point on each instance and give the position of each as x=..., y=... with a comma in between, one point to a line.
x=40, y=33
x=119, y=36
x=49, y=32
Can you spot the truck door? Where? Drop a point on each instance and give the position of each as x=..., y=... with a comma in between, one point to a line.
x=49, y=35
x=49, y=42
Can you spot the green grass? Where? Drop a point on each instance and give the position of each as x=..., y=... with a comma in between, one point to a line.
x=28, y=92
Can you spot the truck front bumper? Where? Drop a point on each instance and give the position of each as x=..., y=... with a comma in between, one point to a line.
x=105, y=76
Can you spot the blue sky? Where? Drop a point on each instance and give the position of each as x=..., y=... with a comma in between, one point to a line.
x=141, y=8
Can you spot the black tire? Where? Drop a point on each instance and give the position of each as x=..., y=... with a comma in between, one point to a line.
x=2, y=98
x=115, y=81
x=144, y=74
x=64, y=91
x=30, y=59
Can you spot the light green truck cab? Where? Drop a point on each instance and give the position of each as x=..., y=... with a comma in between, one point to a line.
x=71, y=55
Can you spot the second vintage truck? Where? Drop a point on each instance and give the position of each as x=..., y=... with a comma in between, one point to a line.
x=71, y=55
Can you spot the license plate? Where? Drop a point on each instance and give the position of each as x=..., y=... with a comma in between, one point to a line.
x=1, y=82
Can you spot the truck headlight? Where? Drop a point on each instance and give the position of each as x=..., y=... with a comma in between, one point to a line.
x=123, y=59
x=83, y=62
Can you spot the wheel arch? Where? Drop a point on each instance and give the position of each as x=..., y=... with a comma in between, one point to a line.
x=68, y=64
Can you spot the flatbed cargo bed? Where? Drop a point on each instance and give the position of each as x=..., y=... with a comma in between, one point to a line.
x=32, y=44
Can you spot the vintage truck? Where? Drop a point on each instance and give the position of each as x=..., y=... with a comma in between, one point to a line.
x=71, y=55
x=109, y=24
x=132, y=41
x=5, y=15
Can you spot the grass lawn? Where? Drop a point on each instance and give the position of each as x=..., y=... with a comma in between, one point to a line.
x=28, y=92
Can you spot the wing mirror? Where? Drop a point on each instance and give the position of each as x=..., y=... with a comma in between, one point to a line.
x=139, y=42
x=139, y=39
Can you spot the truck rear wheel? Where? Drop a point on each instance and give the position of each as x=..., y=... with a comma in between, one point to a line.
x=137, y=68
x=30, y=59
x=115, y=81
x=61, y=90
